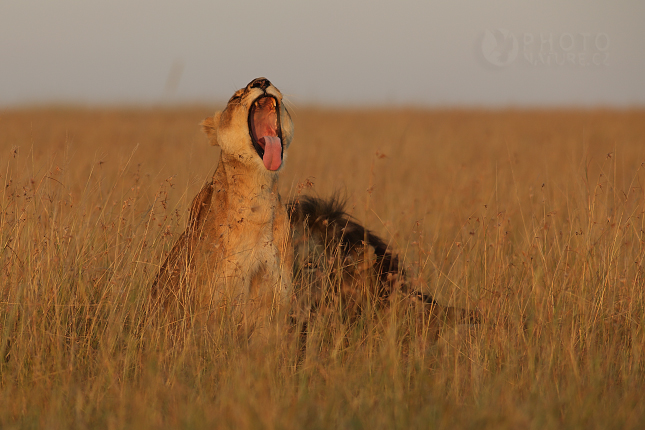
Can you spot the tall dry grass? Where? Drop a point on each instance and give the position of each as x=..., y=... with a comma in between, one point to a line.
x=535, y=218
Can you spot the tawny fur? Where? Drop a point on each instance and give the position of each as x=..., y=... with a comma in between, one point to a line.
x=236, y=249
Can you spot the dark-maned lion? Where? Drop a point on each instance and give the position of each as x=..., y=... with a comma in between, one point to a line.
x=341, y=266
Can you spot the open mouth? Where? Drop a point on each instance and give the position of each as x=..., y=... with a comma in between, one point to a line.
x=265, y=131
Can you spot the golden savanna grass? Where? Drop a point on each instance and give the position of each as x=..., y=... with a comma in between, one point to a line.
x=533, y=217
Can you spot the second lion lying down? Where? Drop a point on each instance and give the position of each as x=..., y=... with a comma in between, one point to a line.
x=238, y=249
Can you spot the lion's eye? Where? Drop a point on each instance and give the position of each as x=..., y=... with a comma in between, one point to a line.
x=235, y=97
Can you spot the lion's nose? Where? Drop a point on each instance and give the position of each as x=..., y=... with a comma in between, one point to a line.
x=261, y=83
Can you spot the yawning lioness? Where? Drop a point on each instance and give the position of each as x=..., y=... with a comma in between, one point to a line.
x=236, y=248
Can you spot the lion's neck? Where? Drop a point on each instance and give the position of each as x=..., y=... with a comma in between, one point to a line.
x=250, y=192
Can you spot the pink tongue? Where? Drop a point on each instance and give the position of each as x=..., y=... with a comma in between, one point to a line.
x=272, y=152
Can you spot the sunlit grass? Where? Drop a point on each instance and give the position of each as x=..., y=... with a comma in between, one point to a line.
x=534, y=218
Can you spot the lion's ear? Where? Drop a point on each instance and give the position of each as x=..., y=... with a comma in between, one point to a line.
x=209, y=125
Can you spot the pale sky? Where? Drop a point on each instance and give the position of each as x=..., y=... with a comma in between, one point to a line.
x=490, y=53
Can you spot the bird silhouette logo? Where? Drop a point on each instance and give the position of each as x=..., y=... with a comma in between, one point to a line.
x=499, y=47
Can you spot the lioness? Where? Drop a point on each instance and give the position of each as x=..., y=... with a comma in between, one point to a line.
x=236, y=247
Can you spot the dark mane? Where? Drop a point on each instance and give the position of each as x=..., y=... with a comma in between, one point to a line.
x=328, y=219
